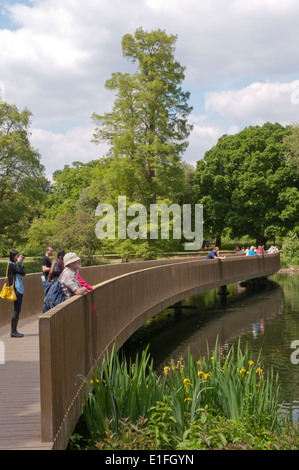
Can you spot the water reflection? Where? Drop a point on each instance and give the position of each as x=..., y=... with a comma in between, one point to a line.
x=265, y=318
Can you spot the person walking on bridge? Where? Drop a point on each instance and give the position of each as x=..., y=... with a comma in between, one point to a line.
x=15, y=272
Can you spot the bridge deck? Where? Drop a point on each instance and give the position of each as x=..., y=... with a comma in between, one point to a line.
x=20, y=411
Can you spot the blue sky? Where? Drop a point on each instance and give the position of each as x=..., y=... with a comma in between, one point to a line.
x=241, y=59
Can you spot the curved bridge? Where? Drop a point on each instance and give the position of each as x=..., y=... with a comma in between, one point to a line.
x=125, y=296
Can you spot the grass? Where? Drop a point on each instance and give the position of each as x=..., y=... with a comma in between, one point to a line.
x=206, y=403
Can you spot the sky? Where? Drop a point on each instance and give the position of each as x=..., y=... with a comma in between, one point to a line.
x=241, y=59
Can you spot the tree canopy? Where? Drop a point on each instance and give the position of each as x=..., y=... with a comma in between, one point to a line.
x=245, y=184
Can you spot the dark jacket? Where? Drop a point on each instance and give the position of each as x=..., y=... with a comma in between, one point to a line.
x=14, y=269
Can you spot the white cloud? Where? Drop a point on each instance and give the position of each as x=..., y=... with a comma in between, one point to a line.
x=60, y=149
x=256, y=103
x=56, y=61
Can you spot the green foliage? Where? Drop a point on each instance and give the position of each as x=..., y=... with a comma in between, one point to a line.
x=129, y=437
x=119, y=390
x=290, y=248
x=246, y=184
x=211, y=403
x=23, y=185
x=71, y=232
x=71, y=189
x=292, y=149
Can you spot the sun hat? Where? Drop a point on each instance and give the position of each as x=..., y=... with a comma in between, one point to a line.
x=70, y=258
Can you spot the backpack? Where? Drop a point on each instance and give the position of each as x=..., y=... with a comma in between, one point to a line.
x=54, y=295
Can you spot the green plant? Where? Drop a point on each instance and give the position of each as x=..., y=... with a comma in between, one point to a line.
x=120, y=390
x=211, y=402
x=290, y=249
x=130, y=436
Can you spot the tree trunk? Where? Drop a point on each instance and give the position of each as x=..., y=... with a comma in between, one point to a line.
x=261, y=241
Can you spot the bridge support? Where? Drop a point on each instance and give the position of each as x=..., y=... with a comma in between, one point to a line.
x=223, y=292
x=255, y=282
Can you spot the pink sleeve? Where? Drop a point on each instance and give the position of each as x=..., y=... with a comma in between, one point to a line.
x=84, y=283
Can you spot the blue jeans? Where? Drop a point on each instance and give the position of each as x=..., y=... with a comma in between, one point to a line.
x=17, y=305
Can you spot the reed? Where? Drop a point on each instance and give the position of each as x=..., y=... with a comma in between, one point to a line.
x=233, y=386
x=119, y=390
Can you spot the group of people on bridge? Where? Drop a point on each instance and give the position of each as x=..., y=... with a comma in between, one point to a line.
x=64, y=269
x=252, y=251
x=63, y=272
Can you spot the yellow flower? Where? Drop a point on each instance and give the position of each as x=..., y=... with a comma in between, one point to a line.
x=188, y=399
x=166, y=370
x=242, y=370
x=205, y=376
x=187, y=381
x=259, y=370
x=91, y=382
x=250, y=363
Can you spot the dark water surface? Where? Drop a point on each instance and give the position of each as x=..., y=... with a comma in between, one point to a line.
x=266, y=318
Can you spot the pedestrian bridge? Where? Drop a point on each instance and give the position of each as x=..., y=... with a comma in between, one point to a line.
x=72, y=336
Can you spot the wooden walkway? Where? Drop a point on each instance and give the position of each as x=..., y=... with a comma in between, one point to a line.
x=20, y=416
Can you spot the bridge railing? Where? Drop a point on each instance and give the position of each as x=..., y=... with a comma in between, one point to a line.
x=72, y=337
x=33, y=297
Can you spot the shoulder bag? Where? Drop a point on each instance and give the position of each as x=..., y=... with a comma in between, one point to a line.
x=8, y=292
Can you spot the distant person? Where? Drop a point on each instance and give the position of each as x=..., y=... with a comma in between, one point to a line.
x=237, y=249
x=252, y=251
x=15, y=273
x=274, y=249
x=214, y=253
x=68, y=279
x=57, y=266
x=47, y=263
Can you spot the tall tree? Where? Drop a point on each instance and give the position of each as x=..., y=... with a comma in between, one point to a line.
x=246, y=185
x=22, y=181
x=147, y=128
